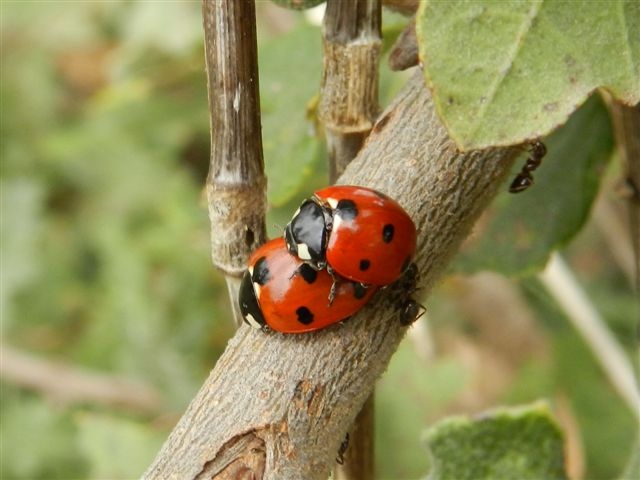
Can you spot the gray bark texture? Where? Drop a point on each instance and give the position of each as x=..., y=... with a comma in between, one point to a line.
x=277, y=406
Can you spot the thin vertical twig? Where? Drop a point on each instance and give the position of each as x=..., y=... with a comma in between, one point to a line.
x=348, y=108
x=236, y=185
x=349, y=88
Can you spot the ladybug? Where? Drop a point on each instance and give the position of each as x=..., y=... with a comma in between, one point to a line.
x=283, y=293
x=355, y=232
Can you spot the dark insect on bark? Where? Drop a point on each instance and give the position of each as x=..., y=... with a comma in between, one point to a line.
x=524, y=179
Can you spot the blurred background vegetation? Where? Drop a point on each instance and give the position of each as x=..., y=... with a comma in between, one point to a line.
x=112, y=315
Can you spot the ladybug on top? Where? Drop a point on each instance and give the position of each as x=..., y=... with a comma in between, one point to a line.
x=354, y=232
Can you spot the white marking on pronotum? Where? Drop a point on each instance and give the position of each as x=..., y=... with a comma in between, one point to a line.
x=303, y=251
x=337, y=221
x=236, y=98
x=333, y=202
x=252, y=321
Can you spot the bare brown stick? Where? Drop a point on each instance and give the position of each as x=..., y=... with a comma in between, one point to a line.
x=236, y=186
x=352, y=42
x=349, y=87
x=69, y=384
x=278, y=404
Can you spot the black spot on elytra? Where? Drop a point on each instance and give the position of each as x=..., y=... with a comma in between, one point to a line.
x=261, y=274
x=364, y=264
x=347, y=209
x=304, y=315
x=359, y=290
x=308, y=273
x=387, y=233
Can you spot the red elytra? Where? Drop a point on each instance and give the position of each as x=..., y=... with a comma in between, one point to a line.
x=282, y=292
x=372, y=238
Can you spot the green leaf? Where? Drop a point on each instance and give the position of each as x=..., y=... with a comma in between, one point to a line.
x=503, y=72
x=289, y=79
x=525, y=228
x=510, y=443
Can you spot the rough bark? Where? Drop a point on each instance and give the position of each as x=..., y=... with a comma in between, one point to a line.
x=236, y=185
x=277, y=406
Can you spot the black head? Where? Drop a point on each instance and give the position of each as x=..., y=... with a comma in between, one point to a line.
x=248, y=302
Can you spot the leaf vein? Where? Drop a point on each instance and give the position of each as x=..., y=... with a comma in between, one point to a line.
x=499, y=81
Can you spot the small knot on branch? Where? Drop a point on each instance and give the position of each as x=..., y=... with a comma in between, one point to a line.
x=237, y=215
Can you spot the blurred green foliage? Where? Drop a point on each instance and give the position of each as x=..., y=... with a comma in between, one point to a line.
x=104, y=230
x=105, y=244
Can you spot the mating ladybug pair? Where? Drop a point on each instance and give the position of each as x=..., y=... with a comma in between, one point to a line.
x=341, y=245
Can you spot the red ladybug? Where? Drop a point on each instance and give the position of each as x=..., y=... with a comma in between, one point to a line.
x=282, y=292
x=356, y=232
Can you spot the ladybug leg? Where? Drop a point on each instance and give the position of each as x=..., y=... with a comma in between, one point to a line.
x=334, y=286
x=265, y=328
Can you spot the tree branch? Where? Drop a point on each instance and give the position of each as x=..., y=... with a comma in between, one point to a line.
x=282, y=403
